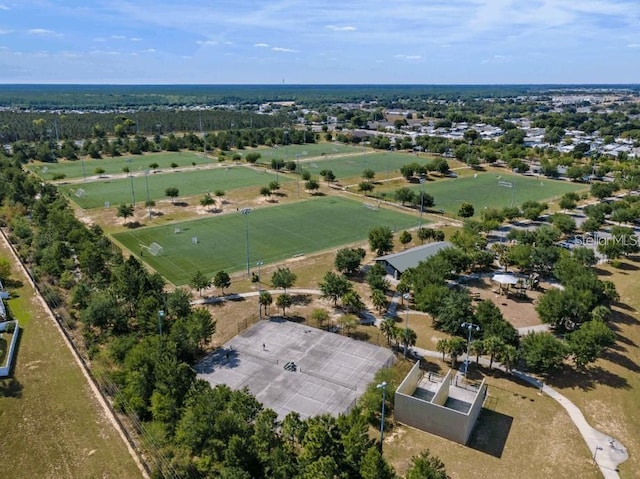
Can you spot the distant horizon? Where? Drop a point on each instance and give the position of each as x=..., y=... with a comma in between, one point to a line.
x=317, y=84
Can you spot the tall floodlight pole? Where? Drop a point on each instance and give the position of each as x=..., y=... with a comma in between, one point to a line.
x=406, y=297
x=146, y=180
x=84, y=171
x=298, y=172
x=245, y=212
x=470, y=327
x=258, y=264
x=133, y=195
x=383, y=386
x=422, y=180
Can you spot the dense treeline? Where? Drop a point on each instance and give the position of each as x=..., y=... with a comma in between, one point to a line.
x=39, y=126
x=135, y=96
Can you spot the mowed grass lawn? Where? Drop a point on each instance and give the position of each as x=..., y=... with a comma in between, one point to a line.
x=113, y=166
x=482, y=190
x=275, y=234
x=291, y=152
x=189, y=183
x=50, y=422
x=385, y=165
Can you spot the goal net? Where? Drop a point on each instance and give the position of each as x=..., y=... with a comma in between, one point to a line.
x=80, y=192
x=155, y=249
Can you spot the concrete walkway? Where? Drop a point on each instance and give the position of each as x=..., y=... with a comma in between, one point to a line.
x=607, y=451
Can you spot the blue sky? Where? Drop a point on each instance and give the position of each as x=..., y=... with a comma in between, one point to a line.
x=327, y=42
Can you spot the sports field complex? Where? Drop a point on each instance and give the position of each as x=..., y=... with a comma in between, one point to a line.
x=272, y=233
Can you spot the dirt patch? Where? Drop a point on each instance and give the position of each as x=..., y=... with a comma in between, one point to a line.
x=519, y=311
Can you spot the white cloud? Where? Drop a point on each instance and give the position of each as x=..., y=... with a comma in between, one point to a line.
x=633, y=45
x=4, y=7
x=150, y=50
x=347, y=28
x=409, y=57
x=135, y=39
x=5, y=32
x=280, y=49
x=206, y=43
x=119, y=37
x=261, y=45
x=43, y=32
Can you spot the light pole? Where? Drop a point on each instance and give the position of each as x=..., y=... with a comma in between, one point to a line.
x=470, y=327
x=422, y=180
x=258, y=264
x=146, y=180
x=130, y=174
x=160, y=316
x=406, y=297
x=245, y=212
x=383, y=386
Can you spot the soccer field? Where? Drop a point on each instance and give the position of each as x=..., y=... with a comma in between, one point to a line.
x=492, y=190
x=137, y=164
x=385, y=165
x=275, y=234
x=189, y=183
x=308, y=150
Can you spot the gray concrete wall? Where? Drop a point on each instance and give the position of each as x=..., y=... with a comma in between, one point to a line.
x=411, y=380
x=441, y=395
x=475, y=410
x=433, y=417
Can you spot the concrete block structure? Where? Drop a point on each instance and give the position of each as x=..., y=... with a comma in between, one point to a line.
x=447, y=406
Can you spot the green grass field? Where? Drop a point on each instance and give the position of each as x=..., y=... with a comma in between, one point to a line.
x=113, y=166
x=189, y=183
x=386, y=165
x=308, y=150
x=484, y=191
x=275, y=234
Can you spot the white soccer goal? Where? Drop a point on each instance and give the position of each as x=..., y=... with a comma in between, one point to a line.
x=155, y=249
x=80, y=193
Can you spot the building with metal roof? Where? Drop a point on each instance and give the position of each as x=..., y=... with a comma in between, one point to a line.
x=398, y=263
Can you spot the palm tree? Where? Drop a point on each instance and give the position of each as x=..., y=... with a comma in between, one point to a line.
x=442, y=346
x=493, y=346
x=265, y=300
x=508, y=356
x=477, y=348
x=379, y=300
x=456, y=348
x=409, y=337
x=387, y=328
